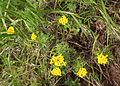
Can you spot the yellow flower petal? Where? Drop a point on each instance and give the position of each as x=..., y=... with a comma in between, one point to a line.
x=56, y=71
x=10, y=30
x=58, y=60
x=82, y=72
x=33, y=36
x=102, y=59
x=63, y=20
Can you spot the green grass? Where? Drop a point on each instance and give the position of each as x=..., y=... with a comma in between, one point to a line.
x=24, y=62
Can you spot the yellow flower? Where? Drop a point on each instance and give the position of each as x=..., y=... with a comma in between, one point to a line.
x=10, y=30
x=82, y=72
x=58, y=60
x=33, y=36
x=56, y=71
x=63, y=20
x=102, y=59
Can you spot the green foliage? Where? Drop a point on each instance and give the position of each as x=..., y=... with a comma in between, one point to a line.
x=26, y=62
x=62, y=48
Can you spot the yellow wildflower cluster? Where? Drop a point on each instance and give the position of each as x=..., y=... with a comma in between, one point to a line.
x=10, y=30
x=58, y=60
x=82, y=72
x=33, y=36
x=63, y=20
x=102, y=59
x=56, y=71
